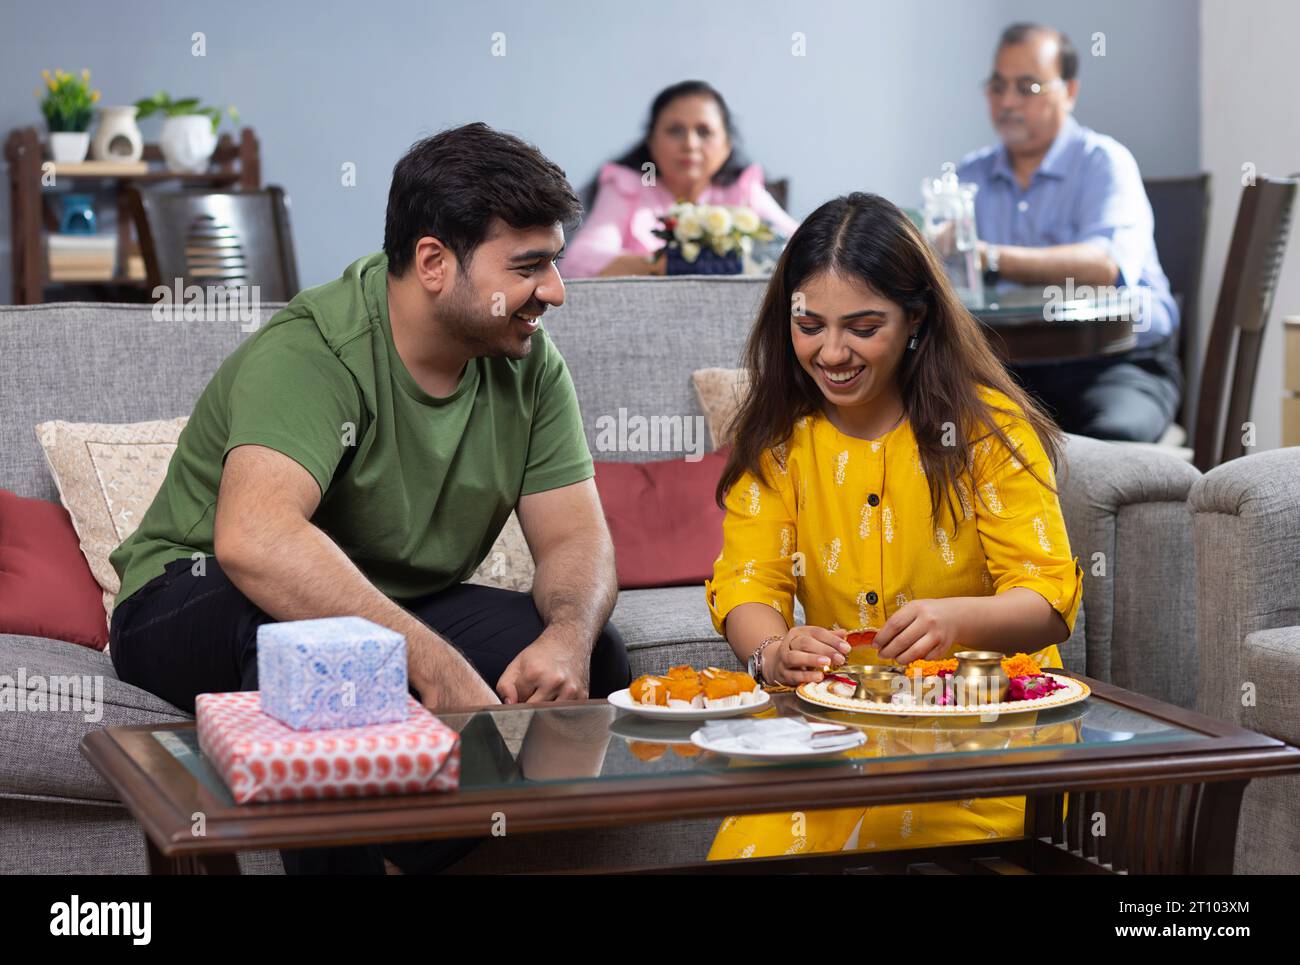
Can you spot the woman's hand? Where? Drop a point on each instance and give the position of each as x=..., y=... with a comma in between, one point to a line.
x=922, y=630
x=803, y=653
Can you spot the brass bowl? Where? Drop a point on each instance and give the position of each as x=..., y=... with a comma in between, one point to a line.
x=873, y=682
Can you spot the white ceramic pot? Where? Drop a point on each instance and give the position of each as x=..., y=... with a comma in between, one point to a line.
x=69, y=147
x=118, y=137
x=187, y=143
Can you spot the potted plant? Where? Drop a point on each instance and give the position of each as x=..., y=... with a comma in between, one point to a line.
x=68, y=104
x=710, y=239
x=189, y=133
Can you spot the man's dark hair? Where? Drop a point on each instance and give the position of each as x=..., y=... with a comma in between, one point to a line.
x=452, y=185
x=1067, y=62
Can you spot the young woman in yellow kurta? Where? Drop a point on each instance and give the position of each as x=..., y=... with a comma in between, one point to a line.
x=887, y=472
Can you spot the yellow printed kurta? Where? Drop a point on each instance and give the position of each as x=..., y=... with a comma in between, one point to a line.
x=845, y=524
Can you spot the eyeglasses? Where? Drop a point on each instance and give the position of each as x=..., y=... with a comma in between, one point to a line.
x=1025, y=86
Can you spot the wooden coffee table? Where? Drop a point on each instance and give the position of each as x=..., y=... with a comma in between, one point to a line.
x=1168, y=781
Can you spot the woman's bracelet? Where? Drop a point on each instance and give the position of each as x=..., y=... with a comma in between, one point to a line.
x=756, y=658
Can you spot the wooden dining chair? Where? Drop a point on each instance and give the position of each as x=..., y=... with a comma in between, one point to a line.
x=229, y=238
x=1250, y=278
x=1181, y=207
x=780, y=192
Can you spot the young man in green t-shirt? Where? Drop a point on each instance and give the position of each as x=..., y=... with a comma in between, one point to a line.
x=360, y=453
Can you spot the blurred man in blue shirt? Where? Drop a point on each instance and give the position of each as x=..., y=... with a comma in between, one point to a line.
x=1057, y=202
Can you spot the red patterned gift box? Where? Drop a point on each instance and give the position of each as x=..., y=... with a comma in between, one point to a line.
x=262, y=759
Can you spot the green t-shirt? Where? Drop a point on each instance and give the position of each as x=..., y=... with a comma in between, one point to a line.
x=415, y=488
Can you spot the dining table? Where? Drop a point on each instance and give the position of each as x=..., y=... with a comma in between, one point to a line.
x=1048, y=323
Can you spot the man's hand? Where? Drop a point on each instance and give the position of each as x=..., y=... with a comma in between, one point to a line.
x=442, y=677
x=574, y=589
x=550, y=668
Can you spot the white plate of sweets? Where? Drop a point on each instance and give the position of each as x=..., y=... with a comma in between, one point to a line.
x=685, y=694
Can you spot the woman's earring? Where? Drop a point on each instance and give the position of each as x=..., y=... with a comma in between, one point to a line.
x=913, y=342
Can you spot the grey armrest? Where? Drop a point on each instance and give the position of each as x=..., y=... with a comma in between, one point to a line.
x=1246, y=515
x=1271, y=665
x=1126, y=512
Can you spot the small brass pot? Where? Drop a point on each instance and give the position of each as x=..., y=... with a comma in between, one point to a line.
x=979, y=678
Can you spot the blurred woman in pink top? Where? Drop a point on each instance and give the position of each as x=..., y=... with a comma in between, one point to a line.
x=689, y=142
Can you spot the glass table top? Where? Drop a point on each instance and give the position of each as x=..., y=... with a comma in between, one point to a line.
x=599, y=743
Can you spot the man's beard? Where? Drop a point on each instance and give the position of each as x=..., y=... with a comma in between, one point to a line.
x=482, y=333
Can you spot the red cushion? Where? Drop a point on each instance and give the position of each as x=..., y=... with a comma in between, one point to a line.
x=46, y=587
x=666, y=527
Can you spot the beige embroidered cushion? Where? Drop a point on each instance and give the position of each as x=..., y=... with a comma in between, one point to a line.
x=107, y=475
x=509, y=564
x=720, y=392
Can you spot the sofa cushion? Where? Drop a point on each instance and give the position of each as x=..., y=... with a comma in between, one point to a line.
x=46, y=588
x=40, y=749
x=108, y=475
x=721, y=392
x=509, y=563
x=663, y=518
x=669, y=626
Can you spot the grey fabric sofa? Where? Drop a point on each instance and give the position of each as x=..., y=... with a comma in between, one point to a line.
x=1246, y=523
x=631, y=344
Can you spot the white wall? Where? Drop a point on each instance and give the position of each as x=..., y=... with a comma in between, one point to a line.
x=888, y=89
x=1250, y=114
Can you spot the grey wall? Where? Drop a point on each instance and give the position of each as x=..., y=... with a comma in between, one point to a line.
x=886, y=92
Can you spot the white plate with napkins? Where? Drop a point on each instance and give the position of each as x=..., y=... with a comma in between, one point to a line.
x=777, y=739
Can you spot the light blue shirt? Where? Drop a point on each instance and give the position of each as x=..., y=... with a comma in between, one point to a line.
x=1086, y=190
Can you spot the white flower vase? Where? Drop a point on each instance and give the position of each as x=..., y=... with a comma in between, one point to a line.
x=69, y=147
x=118, y=137
x=187, y=143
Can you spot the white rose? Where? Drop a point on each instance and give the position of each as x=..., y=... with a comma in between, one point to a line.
x=688, y=228
x=724, y=245
x=690, y=250
x=747, y=222
x=717, y=220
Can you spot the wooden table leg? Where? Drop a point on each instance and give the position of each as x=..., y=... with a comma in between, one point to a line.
x=1214, y=836
x=201, y=864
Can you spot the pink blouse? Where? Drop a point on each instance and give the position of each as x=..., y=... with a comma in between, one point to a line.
x=627, y=211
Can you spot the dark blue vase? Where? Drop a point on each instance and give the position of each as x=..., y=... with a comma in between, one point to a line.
x=708, y=263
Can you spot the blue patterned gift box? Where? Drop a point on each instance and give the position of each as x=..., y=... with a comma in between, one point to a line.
x=335, y=672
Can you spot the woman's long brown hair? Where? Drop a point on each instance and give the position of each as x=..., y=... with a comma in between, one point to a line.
x=864, y=237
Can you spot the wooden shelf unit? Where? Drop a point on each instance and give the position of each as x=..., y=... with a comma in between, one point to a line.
x=235, y=164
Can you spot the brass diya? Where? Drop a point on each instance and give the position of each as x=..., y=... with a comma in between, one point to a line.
x=979, y=678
